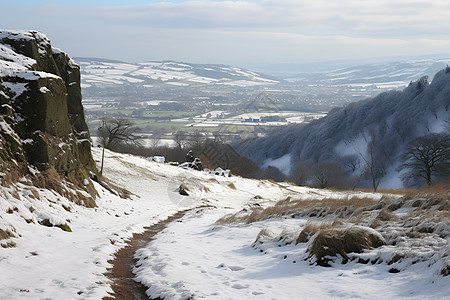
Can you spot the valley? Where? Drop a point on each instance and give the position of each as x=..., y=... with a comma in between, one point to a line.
x=162, y=98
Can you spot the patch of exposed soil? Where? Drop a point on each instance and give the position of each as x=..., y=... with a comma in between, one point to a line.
x=121, y=273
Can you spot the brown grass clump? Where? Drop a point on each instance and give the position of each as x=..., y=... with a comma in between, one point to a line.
x=441, y=190
x=13, y=172
x=35, y=193
x=6, y=234
x=8, y=244
x=386, y=215
x=232, y=186
x=264, y=233
x=341, y=207
x=113, y=189
x=310, y=229
x=330, y=242
x=69, y=186
x=82, y=199
x=50, y=179
x=243, y=216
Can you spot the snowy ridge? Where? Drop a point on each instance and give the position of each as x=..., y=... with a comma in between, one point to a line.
x=101, y=72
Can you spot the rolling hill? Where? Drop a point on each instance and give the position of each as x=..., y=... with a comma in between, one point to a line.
x=112, y=72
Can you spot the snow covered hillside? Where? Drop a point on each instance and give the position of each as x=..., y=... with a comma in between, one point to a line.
x=246, y=240
x=393, y=74
x=391, y=119
x=104, y=72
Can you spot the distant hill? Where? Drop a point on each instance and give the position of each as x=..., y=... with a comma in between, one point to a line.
x=394, y=118
x=380, y=73
x=358, y=71
x=100, y=71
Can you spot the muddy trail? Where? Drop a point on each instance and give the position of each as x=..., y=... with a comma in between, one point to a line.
x=121, y=273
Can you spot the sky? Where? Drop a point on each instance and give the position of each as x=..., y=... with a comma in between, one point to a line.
x=236, y=32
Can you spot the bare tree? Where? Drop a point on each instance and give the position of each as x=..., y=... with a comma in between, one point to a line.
x=180, y=139
x=300, y=173
x=327, y=174
x=115, y=132
x=351, y=162
x=427, y=157
x=156, y=139
x=118, y=131
x=375, y=169
x=196, y=141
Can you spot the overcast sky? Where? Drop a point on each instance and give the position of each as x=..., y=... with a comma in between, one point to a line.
x=236, y=32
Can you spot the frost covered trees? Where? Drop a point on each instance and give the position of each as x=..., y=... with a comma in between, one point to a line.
x=427, y=157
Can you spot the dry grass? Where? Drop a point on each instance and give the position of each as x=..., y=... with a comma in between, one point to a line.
x=441, y=190
x=345, y=227
x=310, y=229
x=264, y=233
x=330, y=242
x=341, y=207
x=13, y=172
x=232, y=186
x=6, y=234
x=387, y=191
x=113, y=189
x=50, y=179
x=8, y=244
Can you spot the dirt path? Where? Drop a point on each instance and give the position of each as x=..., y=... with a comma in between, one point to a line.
x=121, y=273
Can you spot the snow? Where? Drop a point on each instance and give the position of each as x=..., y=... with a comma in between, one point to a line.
x=193, y=256
x=44, y=90
x=17, y=88
x=282, y=163
x=171, y=73
x=222, y=264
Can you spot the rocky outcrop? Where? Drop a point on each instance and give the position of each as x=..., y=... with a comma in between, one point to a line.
x=41, y=116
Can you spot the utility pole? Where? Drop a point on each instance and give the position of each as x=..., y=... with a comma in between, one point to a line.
x=103, y=144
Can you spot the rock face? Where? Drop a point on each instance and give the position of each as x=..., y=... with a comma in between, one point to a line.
x=41, y=116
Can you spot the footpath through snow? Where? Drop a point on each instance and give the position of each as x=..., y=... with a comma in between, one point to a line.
x=193, y=257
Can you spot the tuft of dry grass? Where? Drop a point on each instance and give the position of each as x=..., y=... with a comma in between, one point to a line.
x=232, y=186
x=8, y=244
x=341, y=207
x=441, y=190
x=386, y=215
x=330, y=242
x=6, y=234
x=113, y=189
x=310, y=229
x=264, y=233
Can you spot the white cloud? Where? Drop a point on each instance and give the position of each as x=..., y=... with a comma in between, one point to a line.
x=241, y=31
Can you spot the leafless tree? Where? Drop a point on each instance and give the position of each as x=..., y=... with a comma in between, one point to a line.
x=180, y=139
x=156, y=138
x=300, y=173
x=374, y=167
x=196, y=141
x=118, y=131
x=327, y=174
x=427, y=157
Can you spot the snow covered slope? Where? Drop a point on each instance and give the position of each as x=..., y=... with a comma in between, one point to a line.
x=395, y=73
x=393, y=118
x=44, y=261
x=103, y=72
x=198, y=256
